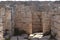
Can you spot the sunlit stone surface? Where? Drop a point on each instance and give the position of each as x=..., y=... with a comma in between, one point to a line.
x=36, y=35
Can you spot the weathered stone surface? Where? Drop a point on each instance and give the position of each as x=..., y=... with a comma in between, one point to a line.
x=1, y=24
x=31, y=18
x=45, y=22
x=56, y=26
x=27, y=19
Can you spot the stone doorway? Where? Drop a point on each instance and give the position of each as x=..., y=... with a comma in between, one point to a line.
x=37, y=22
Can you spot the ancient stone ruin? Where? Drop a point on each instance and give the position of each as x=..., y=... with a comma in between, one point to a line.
x=31, y=17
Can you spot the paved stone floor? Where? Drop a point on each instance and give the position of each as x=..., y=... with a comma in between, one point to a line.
x=18, y=38
x=21, y=38
x=25, y=37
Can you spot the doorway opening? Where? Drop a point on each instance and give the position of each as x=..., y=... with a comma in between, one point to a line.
x=37, y=23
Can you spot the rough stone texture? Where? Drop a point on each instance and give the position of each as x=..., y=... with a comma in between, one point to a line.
x=36, y=22
x=7, y=20
x=1, y=22
x=19, y=37
x=46, y=22
x=27, y=19
x=28, y=16
x=23, y=18
x=56, y=26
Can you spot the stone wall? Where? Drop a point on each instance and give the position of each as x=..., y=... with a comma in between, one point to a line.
x=55, y=26
x=23, y=18
x=1, y=22
x=27, y=18
x=37, y=22
x=55, y=23
x=46, y=22
x=7, y=21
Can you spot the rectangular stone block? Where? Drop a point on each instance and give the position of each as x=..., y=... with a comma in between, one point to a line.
x=0, y=20
x=1, y=28
x=57, y=25
x=57, y=17
x=1, y=24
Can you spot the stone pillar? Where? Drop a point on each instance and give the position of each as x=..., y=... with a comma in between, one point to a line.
x=8, y=20
x=29, y=30
x=45, y=22
x=1, y=22
x=13, y=12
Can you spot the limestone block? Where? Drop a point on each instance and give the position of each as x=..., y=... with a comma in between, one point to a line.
x=1, y=28
x=45, y=22
x=1, y=24
x=57, y=17
x=57, y=25
x=0, y=20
